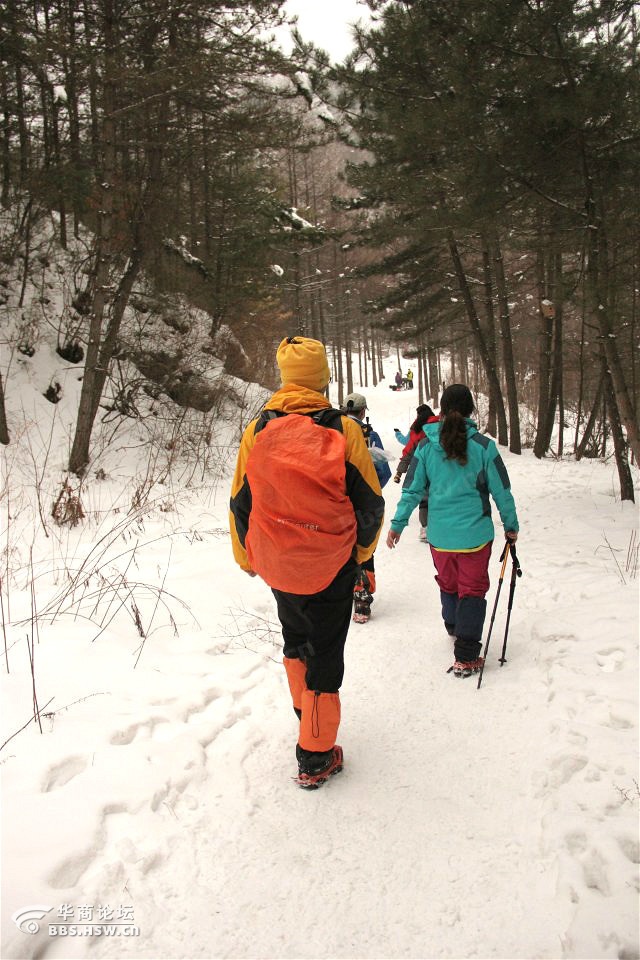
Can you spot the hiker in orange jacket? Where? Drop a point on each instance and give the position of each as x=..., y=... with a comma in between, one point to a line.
x=306, y=510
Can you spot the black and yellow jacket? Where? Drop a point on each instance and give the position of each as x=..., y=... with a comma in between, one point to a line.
x=361, y=482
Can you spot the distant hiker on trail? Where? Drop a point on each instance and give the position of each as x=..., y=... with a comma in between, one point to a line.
x=424, y=415
x=306, y=510
x=355, y=407
x=409, y=379
x=457, y=469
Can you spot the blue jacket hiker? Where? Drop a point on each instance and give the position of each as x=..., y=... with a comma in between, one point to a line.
x=457, y=469
x=355, y=407
x=381, y=464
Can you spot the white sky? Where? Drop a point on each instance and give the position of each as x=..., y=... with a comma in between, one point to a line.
x=327, y=23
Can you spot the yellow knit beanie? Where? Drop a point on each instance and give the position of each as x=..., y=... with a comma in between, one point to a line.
x=304, y=362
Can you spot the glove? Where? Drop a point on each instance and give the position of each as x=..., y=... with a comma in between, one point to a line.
x=397, y=478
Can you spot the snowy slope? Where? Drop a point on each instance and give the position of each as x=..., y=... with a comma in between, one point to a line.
x=493, y=823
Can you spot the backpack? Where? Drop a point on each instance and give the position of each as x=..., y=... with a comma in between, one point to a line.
x=302, y=526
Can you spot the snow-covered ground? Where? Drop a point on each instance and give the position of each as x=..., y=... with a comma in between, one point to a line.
x=158, y=796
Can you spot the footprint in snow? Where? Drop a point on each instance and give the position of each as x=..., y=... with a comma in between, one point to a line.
x=594, y=869
x=610, y=660
x=576, y=842
x=194, y=713
x=123, y=738
x=630, y=848
x=566, y=767
x=62, y=773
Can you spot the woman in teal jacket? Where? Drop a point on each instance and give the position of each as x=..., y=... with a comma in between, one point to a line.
x=458, y=469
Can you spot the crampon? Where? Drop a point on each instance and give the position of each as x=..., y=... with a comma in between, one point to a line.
x=311, y=779
x=466, y=668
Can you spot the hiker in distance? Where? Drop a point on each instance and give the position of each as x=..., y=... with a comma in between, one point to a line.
x=424, y=415
x=306, y=509
x=355, y=406
x=415, y=432
x=456, y=469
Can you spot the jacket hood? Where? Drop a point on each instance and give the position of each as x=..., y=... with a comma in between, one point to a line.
x=432, y=429
x=294, y=399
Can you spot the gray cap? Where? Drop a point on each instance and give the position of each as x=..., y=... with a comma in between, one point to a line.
x=354, y=403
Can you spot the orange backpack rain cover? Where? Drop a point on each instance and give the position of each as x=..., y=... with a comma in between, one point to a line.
x=302, y=527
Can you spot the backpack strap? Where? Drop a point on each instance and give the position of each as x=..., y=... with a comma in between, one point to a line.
x=330, y=418
x=266, y=416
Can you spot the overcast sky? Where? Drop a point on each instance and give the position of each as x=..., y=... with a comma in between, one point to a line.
x=327, y=23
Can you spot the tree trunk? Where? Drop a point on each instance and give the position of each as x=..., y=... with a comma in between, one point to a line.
x=90, y=392
x=623, y=398
x=348, y=359
x=619, y=443
x=57, y=160
x=485, y=355
x=593, y=416
x=6, y=138
x=27, y=220
x=21, y=118
x=420, y=376
x=596, y=271
x=4, y=429
x=118, y=307
x=425, y=369
x=321, y=313
x=69, y=64
x=515, y=445
x=492, y=423
x=545, y=334
x=452, y=360
x=580, y=403
x=374, y=359
x=338, y=353
x=434, y=379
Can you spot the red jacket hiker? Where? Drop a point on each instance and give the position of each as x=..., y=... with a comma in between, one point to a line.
x=416, y=433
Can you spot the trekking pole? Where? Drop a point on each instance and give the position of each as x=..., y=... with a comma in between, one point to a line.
x=515, y=573
x=504, y=556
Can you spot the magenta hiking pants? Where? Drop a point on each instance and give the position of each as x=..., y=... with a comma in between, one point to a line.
x=463, y=579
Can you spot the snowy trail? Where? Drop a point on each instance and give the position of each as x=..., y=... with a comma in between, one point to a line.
x=493, y=823
x=355, y=861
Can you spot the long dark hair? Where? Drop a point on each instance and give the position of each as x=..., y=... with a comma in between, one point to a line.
x=456, y=403
x=424, y=413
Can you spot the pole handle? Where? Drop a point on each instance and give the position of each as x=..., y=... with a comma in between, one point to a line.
x=514, y=556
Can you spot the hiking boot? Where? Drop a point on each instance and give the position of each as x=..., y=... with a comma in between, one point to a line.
x=315, y=771
x=467, y=668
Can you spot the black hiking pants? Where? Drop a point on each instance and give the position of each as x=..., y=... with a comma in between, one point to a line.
x=315, y=627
